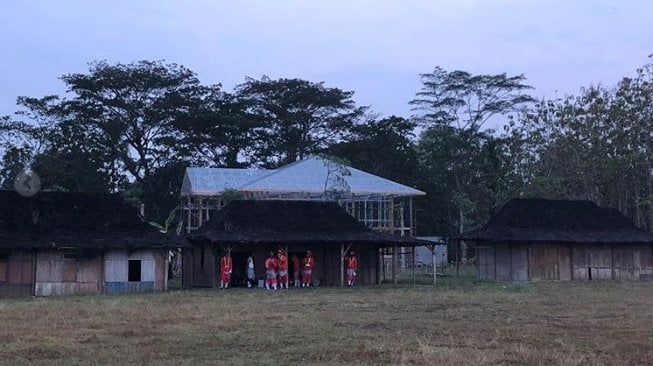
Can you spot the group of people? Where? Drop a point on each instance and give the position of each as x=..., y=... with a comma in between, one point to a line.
x=277, y=270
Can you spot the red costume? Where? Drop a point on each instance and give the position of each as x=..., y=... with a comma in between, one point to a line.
x=271, y=272
x=351, y=264
x=225, y=269
x=309, y=263
x=282, y=268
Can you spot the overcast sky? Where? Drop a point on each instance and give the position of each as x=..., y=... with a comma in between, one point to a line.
x=375, y=48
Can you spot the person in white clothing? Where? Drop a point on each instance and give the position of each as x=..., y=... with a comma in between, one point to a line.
x=251, y=275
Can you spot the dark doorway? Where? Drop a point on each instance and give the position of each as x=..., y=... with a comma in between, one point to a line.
x=239, y=273
x=134, y=271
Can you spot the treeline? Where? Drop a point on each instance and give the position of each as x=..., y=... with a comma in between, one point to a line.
x=474, y=141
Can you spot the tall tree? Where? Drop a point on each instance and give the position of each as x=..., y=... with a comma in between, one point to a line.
x=455, y=106
x=135, y=107
x=299, y=117
x=220, y=132
x=468, y=101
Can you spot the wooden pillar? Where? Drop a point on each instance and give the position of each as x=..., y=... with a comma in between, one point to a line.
x=411, y=217
x=377, y=257
x=342, y=264
x=394, y=264
x=189, y=214
x=435, y=268
x=457, y=257
x=201, y=213
x=413, y=265
x=382, y=262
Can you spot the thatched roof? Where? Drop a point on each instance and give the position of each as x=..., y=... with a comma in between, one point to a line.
x=278, y=221
x=74, y=220
x=540, y=220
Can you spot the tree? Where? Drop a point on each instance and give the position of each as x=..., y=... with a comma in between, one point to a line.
x=595, y=146
x=468, y=101
x=135, y=107
x=456, y=105
x=220, y=132
x=385, y=148
x=58, y=148
x=14, y=160
x=298, y=117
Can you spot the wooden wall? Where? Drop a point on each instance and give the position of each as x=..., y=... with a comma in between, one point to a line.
x=549, y=262
x=58, y=273
x=502, y=262
x=153, y=271
x=563, y=261
x=17, y=274
x=612, y=262
x=199, y=266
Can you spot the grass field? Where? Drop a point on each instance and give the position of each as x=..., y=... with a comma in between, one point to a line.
x=460, y=322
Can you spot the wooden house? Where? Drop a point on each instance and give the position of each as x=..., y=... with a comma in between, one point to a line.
x=256, y=227
x=57, y=243
x=539, y=240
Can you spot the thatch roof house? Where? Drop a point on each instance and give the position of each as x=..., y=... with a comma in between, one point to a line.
x=58, y=243
x=249, y=227
x=538, y=239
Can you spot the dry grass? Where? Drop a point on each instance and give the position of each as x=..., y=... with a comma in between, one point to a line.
x=456, y=324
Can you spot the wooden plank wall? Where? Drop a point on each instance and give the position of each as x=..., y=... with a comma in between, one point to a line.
x=200, y=268
x=548, y=262
x=57, y=275
x=620, y=262
x=116, y=271
x=18, y=276
x=502, y=262
x=485, y=262
x=564, y=262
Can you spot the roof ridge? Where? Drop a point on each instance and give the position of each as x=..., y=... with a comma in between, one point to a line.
x=275, y=171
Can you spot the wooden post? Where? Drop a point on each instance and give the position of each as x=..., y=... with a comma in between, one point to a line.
x=382, y=262
x=394, y=264
x=403, y=227
x=434, y=265
x=342, y=265
x=189, y=214
x=200, y=219
x=411, y=217
x=457, y=257
x=414, y=265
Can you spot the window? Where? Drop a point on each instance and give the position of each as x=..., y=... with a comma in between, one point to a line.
x=4, y=267
x=134, y=271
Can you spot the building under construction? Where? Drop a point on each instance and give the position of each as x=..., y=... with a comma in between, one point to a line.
x=379, y=203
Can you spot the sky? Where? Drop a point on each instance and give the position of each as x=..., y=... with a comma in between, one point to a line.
x=375, y=48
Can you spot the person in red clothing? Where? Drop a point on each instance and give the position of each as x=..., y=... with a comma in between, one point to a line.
x=226, y=266
x=282, y=268
x=309, y=264
x=271, y=272
x=351, y=264
x=295, y=270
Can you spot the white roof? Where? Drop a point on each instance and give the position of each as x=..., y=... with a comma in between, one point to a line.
x=306, y=176
x=213, y=181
